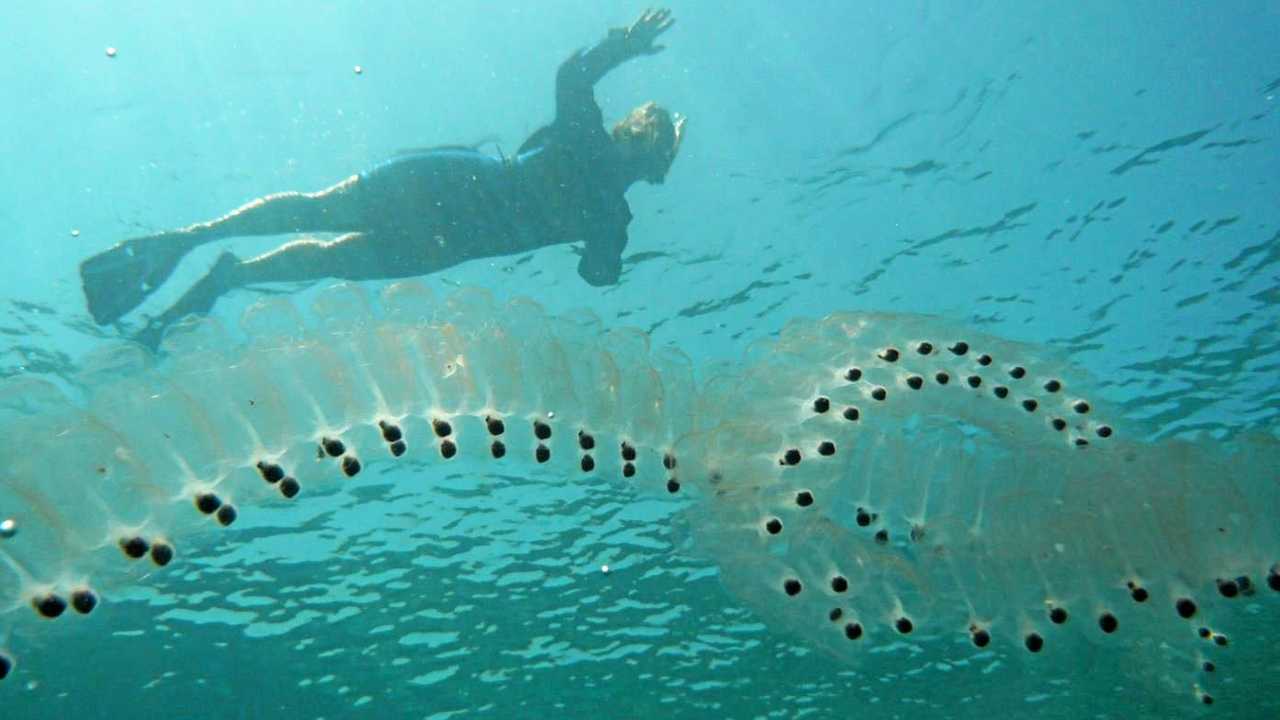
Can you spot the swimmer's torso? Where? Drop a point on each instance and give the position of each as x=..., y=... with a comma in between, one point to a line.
x=471, y=204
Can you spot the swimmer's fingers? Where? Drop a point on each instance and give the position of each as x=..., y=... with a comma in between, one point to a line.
x=645, y=30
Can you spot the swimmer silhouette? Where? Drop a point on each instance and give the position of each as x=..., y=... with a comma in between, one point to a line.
x=431, y=209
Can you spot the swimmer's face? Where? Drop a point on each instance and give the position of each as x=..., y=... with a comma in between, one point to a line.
x=649, y=137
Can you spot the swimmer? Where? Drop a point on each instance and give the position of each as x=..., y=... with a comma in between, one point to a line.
x=431, y=209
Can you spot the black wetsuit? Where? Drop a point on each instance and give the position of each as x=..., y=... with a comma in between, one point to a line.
x=565, y=184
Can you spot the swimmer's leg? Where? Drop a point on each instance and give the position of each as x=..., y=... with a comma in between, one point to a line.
x=119, y=279
x=355, y=256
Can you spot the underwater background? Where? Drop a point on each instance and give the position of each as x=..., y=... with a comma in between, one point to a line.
x=1097, y=176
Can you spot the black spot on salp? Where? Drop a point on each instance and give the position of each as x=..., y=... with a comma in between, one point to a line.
x=1206, y=698
x=839, y=584
x=1139, y=594
x=390, y=432
x=1030, y=405
x=1058, y=424
x=134, y=547
x=1208, y=667
x=959, y=348
x=1104, y=431
x=1246, y=585
x=889, y=354
x=208, y=503
x=586, y=441
x=397, y=448
x=915, y=382
x=1186, y=608
x=851, y=414
x=441, y=428
x=270, y=472
x=628, y=470
x=226, y=515
x=826, y=447
x=804, y=498
x=542, y=453
x=974, y=381
x=1080, y=442
x=628, y=452
x=1017, y=372
x=904, y=625
x=1034, y=642
x=879, y=394
x=588, y=463
x=942, y=378
x=863, y=518
x=541, y=430
x=1052, y=386
x=924, y=348
x=1220, y=640
x=498, y=449
x=494, y=425
x=1228, y=588
x=84, y=600
x=821, y=405
x=853, y=631
x=1273, y=579
x=289, y=487
x=448, y=449
x=792, y=587
x=984, y=360
x=882, y=536
x=835, y=614
x=980, y=637
x=351, y=466
x=332, y=447
x=1000, y=391
x=49, y=606
x=673, y=486
x=791, y=457
x=669, y=461
x=162, y=552
x=1080, y=406
x=773, y=526
x=1204, y=632
x=1108, y=623
x=6, y=666
x=853, y=374
x=1058, y=615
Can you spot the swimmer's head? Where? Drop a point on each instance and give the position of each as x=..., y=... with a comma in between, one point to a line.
x=649, y=138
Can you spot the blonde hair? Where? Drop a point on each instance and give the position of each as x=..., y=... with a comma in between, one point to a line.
x=649, y=130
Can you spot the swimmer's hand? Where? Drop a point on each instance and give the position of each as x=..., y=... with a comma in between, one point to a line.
x=639, y=38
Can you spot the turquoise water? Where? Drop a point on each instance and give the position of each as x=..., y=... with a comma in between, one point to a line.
x=1098, y=178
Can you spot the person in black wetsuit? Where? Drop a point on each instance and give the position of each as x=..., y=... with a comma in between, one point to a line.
x=431, y=209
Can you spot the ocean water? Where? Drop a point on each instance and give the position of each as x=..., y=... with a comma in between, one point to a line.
x=1098, y=179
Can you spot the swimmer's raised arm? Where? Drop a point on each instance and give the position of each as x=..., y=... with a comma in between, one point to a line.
x=577, y=76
